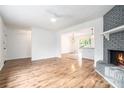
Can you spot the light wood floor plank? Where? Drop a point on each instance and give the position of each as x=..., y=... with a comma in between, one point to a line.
x=67, y=72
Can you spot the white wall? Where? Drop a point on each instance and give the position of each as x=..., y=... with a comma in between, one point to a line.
x=66, y=43
x=44, y=44
x=47, y=44
x=88, y=53
x=18, y=43
x=98, y=28
x=2, y=43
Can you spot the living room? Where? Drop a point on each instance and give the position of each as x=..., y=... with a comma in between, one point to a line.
x=47, y=46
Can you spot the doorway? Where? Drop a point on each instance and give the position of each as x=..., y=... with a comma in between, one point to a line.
x=79, y=43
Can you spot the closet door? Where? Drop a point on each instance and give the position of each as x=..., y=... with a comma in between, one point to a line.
x=1, y=47
x=4, y=44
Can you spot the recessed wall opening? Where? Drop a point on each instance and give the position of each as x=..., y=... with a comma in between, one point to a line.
x=80, y=43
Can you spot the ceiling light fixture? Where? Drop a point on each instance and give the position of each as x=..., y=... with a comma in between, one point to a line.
x=53, y=20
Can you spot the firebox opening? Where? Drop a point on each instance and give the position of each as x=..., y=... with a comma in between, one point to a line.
x=120, y=58
x=116, y=57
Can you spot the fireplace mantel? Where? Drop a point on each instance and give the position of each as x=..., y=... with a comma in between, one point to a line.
x=114, y=30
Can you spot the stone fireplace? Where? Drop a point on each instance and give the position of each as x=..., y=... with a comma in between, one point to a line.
x=111, y=67
x=114, y=45
x=114, y=18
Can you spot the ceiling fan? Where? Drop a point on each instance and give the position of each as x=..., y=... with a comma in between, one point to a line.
x=58, y=15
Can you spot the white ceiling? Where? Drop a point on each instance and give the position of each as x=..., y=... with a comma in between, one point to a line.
x=39, y=16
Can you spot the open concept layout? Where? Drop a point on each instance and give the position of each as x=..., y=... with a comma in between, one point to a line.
x=62, y=46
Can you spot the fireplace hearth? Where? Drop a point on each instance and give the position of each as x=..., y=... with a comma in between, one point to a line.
x=116, y=57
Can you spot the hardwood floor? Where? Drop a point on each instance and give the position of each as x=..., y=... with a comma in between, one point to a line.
x=67, y=72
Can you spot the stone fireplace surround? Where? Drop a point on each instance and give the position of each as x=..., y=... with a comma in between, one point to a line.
x=112, y=73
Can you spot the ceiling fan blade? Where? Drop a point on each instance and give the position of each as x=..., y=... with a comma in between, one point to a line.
x=59, y=15
x=53, y=13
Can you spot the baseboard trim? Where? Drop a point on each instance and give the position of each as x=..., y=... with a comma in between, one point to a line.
x=52, y=58
x=67, y=53
x=87, y=59
x=1, y=66
x=18, y=59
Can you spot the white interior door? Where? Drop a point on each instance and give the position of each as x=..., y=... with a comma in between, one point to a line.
x=2, y=47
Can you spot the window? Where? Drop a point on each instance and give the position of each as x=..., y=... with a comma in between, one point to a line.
x=87, y=40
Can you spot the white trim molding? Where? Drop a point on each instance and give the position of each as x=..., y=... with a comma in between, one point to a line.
x=1, y=66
